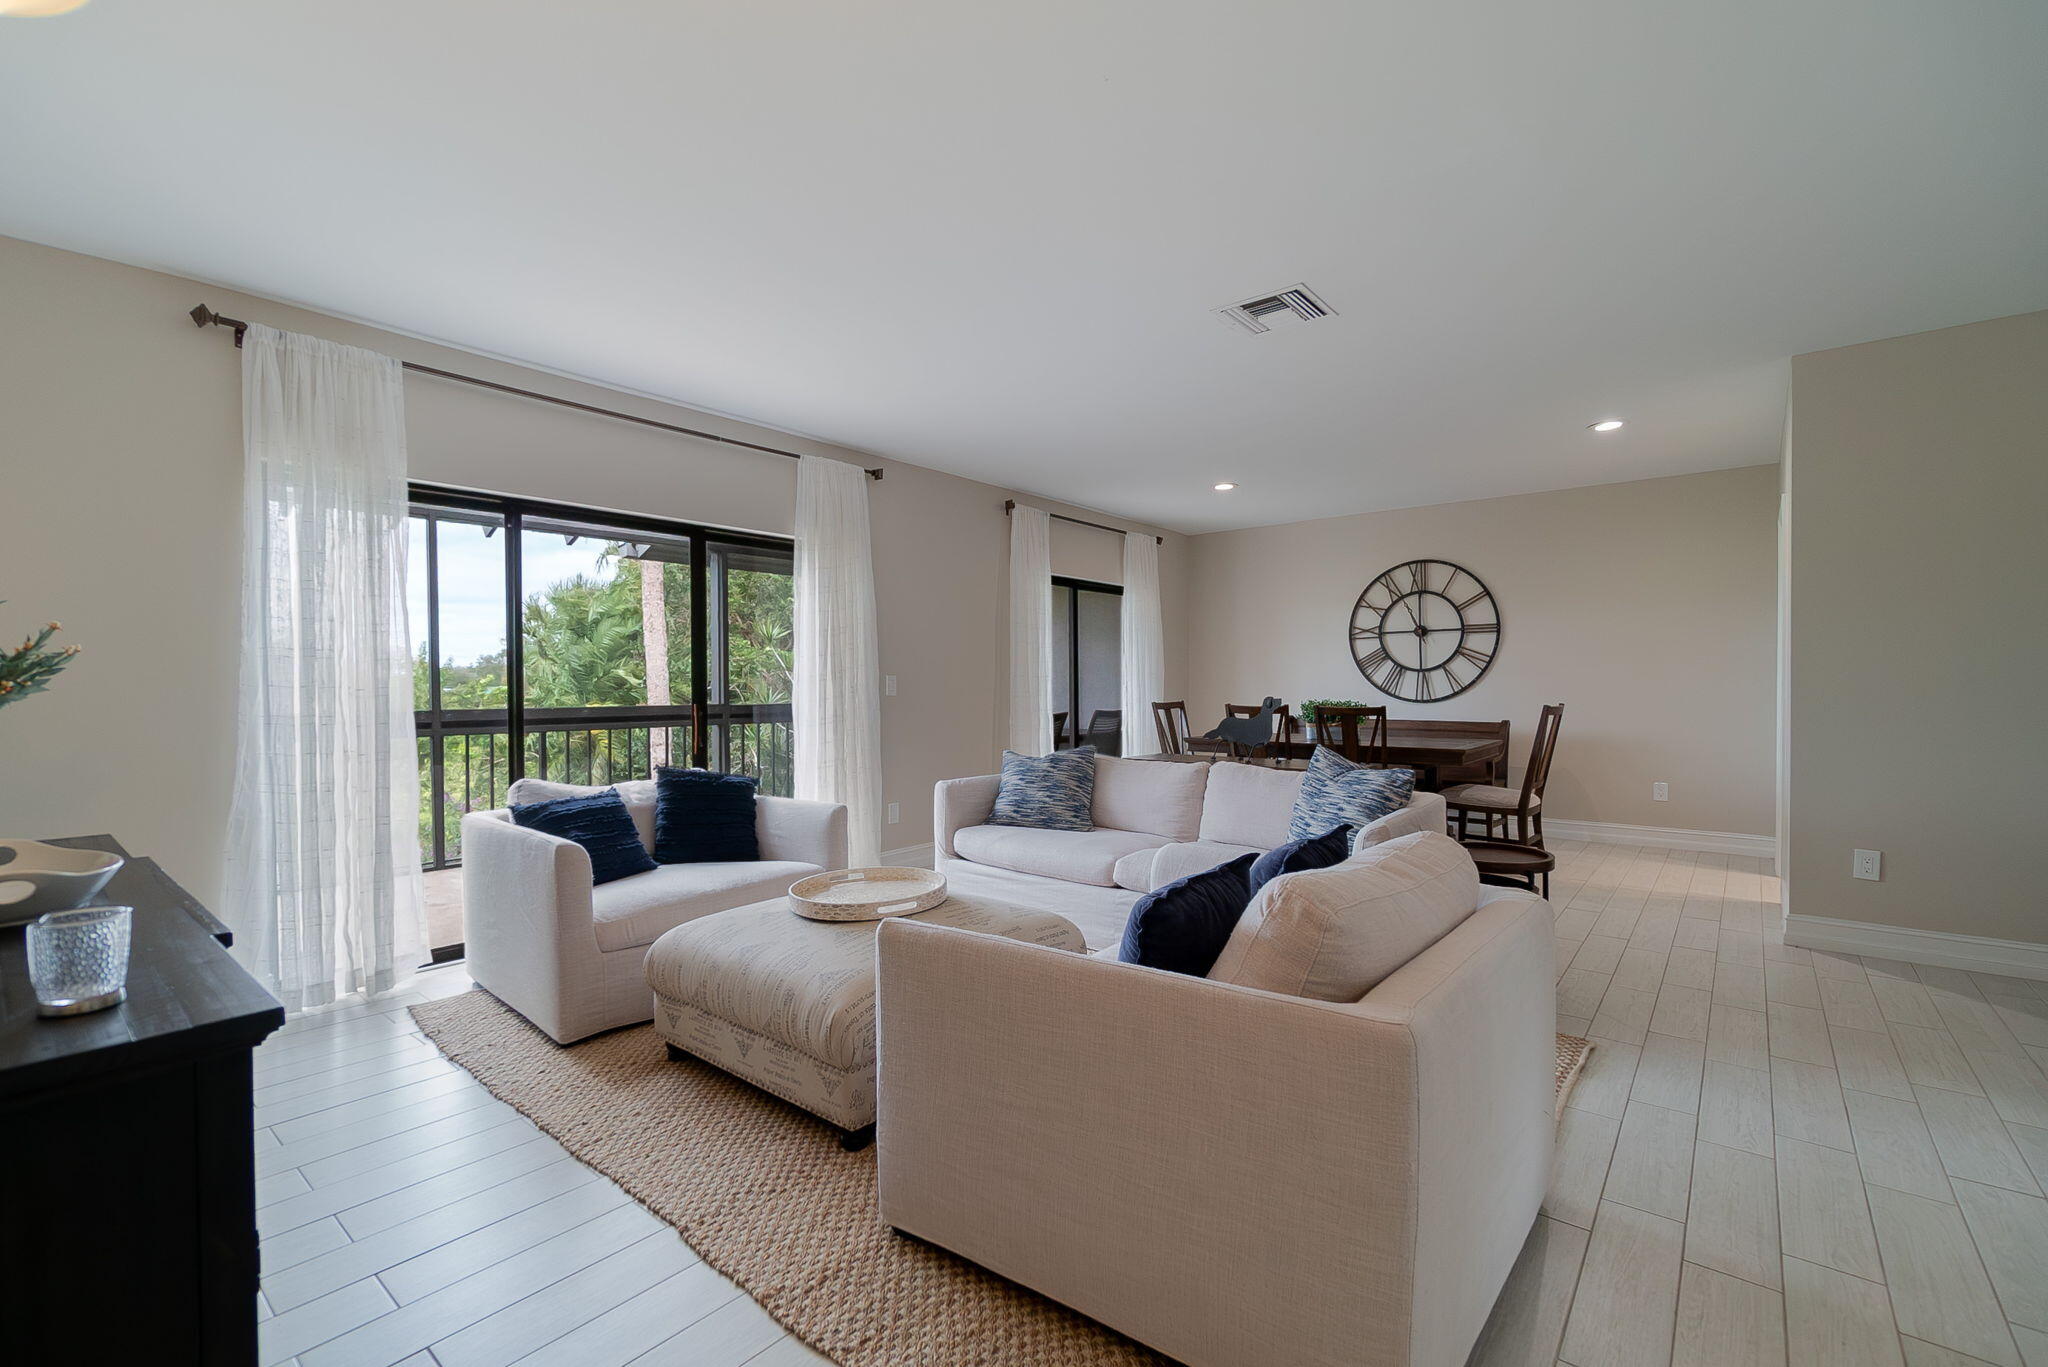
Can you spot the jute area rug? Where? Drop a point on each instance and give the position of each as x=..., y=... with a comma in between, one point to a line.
x=764, y=1194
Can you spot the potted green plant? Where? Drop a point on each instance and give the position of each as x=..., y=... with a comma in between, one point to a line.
x=30, y=666
x=1306, y=710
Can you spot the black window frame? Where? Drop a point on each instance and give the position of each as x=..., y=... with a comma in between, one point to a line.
x=699, y=714
x=1075, y=723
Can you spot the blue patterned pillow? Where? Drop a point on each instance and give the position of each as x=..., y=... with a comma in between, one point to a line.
x=599, y=823
x=1313, y=852
x=1336, y=792
x=703, y=817
x=1054, y=792
x=1183, y=926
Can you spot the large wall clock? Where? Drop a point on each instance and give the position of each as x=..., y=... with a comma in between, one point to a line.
x=1424, y=631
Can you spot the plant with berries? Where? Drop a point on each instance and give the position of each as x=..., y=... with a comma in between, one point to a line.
x=29, y=667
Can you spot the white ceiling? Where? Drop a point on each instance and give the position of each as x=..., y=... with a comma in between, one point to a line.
x=988, y=239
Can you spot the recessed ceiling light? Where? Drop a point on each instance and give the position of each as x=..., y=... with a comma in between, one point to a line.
x=37, y=9
x=1608, y=425
x=1225, y=487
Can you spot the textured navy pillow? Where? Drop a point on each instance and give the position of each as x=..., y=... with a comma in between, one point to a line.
x=599, y=823
x=1315, y=852
x=1054, y=792
x=702, y=817
x=1183, y=926
x=1336, y=792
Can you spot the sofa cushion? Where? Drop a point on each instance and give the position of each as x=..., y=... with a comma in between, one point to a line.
x=1248, y=804
x=1053, y=792
x=637, y=794
x=1178, y=861
x=1299, y=856
x=1134, y=870
x=1336, y=792
x=637, y=910
x=1149, y=795
x=1074, y=856
x=1182, y=927
x=702, y=817
x=1334, y=933
x=599, y=823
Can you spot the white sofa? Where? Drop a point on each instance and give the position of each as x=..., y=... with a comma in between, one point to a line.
x=1236, y=1177
x=569, y=956
x=1155, y=821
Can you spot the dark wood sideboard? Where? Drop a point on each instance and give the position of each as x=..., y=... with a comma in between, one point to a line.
x=127, y=1159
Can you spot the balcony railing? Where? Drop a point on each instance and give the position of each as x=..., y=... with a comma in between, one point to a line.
x=466, y=757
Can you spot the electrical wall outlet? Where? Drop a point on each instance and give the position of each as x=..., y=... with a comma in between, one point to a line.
x=895, y=812
x=889, y=685
x=1660, y=792
x=1867, y=864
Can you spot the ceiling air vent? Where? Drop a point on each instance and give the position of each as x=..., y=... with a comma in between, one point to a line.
x=1263, y=313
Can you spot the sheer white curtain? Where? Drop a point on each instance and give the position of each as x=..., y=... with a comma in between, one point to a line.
x=1030, y=630
x=1143, y=642
x=836, y=691
x=323, y=875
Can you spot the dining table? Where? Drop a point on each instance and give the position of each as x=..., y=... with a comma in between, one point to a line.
x=1424, y=749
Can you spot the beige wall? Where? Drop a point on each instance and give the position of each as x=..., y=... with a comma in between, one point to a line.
x=1646, y=608
x=1918, y=487
x=120, y=479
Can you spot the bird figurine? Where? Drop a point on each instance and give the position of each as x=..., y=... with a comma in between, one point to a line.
x=1247, y=732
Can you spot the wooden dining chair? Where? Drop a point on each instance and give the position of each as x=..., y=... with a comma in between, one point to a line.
x=1356, y=732
x=1059, y=728
x=1105, y=731
x=1518, y=812
x=1170, y=722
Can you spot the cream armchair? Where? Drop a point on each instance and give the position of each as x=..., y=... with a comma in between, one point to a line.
x=1234, y=1177
x=569, y=956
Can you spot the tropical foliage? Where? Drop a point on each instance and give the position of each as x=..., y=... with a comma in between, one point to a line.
x=587, y=644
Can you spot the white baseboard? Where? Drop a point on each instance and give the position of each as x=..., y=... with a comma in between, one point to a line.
x=2013, y=958
x=910, y=856
x=1663, y=837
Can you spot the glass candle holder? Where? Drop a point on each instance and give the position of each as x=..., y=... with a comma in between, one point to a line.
x=78, y=960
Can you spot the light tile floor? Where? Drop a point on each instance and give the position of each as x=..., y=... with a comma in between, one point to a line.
x=1778, y=1156
x=1775, y=1157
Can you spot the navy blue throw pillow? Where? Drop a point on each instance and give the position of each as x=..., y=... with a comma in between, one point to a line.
x=1315, y=852
x=1183, y=926
x=599, y=823
x=703, y=817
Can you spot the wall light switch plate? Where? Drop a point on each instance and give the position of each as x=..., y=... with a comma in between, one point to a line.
x=889, y=685
x=1660, y=792
x=895, y=812
x=1867, y=865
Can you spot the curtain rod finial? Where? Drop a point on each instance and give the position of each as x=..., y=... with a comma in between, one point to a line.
x=201, y=316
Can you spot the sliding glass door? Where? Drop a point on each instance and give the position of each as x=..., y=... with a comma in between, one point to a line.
x=587, y=647
x=1087, y=665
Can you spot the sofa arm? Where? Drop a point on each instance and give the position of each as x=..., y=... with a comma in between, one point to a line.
x=1424, y=812
x=527, y=916
x=805, y=832
x=1243, y=1178
x=958, y=803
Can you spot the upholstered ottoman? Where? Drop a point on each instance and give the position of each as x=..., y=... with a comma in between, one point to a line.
x=788, y=1004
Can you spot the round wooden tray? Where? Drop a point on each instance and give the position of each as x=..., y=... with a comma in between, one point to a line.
x=866, y=894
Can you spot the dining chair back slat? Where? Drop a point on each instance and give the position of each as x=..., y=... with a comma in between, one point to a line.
x=1359, y=733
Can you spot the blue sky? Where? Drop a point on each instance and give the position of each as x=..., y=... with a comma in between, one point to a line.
x=473, y=583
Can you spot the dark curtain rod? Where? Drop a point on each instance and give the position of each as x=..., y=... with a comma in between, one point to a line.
x=202, y=316
x=1010, y=506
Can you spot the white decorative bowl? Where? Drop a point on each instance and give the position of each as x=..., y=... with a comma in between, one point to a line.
x=35, y=878
x=866, y=894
